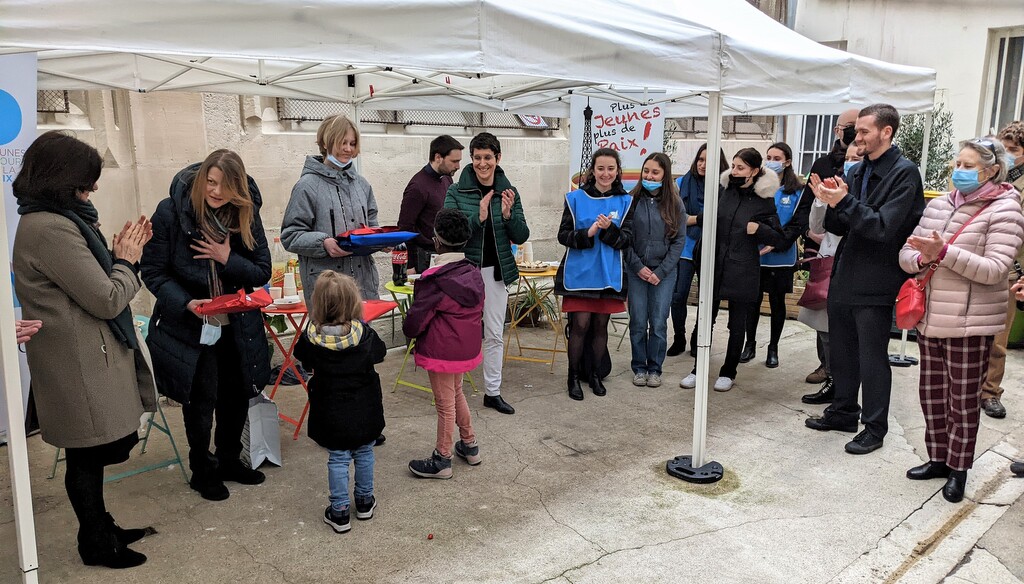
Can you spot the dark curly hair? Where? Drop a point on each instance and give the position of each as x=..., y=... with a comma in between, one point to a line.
x=453, y=227
x=1013, y=132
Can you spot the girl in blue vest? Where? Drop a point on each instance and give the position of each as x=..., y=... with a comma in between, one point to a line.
x=659, y=234
x=691, y=191
x=595, y=229
x=778, y=263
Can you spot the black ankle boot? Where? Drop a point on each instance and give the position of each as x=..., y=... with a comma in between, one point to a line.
x=678, y=346
x=575, y=391
x=956, y=484
x=99, y=546
x=825, y=395
x=597, y=385
x=127, y=536
x=748, y=353
x=773, y=358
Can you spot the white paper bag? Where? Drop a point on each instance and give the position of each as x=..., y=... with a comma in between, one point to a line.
x=261, y=438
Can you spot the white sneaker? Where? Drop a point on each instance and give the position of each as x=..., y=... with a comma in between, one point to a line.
x=640, y=379
x=653, y=380
x=689, y=382
x=723, y=384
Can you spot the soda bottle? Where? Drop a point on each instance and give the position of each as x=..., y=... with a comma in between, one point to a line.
x=399, y=257
x=278, y=263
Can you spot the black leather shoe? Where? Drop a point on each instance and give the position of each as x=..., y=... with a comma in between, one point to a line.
x=1017, y=468
x=575, y=391
x=993, y=408
x=211, y=490
x=773, y=358
x=496, y=402
x=127, y=536
x=597, y=386
x=864, y=443
x=678, y=346
x=748, y=353
x=824, y=424
x=929, y=470
x=825, y=395
x=955, y=486
x=237, y=473
x=101, y=548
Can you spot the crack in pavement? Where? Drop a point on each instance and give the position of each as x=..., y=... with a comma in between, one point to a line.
x=540, y=495
x=881, y=539
x=684, y=538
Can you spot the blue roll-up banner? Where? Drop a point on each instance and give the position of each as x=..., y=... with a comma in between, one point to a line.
x=17, y=131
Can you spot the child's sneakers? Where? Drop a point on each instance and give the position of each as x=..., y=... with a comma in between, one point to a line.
x=435, y=467
x=338, y=521
x=365, y=507
x=470, y=454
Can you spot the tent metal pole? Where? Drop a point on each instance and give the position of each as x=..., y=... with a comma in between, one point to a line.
x=926, y=142
x=695, y=468
x=21, y=488
x=359, y=130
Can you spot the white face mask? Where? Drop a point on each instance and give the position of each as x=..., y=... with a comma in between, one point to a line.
x=210, y=333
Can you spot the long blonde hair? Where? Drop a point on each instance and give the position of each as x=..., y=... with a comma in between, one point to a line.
x=235, y=188
x=335, y=300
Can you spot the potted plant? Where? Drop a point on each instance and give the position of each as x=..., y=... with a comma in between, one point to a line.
x=534, y=299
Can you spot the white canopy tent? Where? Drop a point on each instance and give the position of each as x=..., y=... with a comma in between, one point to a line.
x=710, y=59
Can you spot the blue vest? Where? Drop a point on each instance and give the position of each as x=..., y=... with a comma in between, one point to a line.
x=598, y=267
x=693, y=206
x=785, y=205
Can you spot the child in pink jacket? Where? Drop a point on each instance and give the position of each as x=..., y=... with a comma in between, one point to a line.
x=446, y=319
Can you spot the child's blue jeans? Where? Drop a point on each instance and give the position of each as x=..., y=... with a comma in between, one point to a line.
x=337, y=474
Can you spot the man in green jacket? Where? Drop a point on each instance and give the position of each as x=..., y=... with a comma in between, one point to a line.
x=496, y=221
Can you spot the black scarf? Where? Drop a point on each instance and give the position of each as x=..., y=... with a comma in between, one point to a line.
x=1015, y=173
x=85, y=216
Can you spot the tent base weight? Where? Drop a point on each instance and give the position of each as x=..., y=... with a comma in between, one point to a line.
x=681, y=467
x=902, y=361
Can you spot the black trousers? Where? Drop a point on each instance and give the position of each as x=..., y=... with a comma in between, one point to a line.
x=739, y=313
x=83, y=480
x=859, y=336
x=217, y=390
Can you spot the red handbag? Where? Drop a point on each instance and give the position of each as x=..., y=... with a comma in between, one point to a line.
x=239, y=302
x=912, y=300
x=815, y=294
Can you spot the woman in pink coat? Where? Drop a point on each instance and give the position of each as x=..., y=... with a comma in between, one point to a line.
x=966, y=305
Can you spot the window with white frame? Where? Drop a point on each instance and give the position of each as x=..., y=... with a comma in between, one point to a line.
x=1004, y=99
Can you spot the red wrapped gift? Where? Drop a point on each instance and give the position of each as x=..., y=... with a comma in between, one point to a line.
x=239, y=302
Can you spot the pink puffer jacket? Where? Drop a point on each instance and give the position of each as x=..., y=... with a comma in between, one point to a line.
x=967, y=295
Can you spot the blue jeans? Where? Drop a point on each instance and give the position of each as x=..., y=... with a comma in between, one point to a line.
x=337, y=474
x=648, y=322
x=684, y=281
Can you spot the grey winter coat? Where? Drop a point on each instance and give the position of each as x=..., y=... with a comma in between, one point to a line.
x=651, y=247
x=321, y=192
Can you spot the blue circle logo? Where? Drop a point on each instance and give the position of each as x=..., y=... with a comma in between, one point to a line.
x=10, y=118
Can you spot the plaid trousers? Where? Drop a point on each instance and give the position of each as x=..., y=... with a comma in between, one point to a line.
x=952, y=372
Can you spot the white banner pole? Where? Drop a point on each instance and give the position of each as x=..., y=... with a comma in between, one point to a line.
x=17, y=131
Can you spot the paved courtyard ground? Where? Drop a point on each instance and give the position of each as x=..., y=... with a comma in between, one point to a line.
x=577, y=492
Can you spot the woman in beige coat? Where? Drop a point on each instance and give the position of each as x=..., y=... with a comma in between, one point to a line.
x=966, y=306
x=89, y=373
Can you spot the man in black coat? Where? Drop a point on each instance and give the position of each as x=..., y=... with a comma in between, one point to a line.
x=875, y=215
x=826, y=166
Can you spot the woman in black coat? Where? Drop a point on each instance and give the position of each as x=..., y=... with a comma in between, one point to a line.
x=746, y=219
x=208, y=241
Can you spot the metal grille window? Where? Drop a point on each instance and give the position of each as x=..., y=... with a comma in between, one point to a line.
x=315, y=111
x=52, y=101
x=817, y=135
x=1005, y=94
x=732, y=126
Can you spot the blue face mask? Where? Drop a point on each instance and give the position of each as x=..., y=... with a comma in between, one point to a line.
x=1011, y=161
x=848, y=166
x=336, y=162
x=775, y=166
x=966, y=181
x=651, y=185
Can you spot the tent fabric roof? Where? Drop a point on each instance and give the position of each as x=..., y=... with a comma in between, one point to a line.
x=466, y=55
